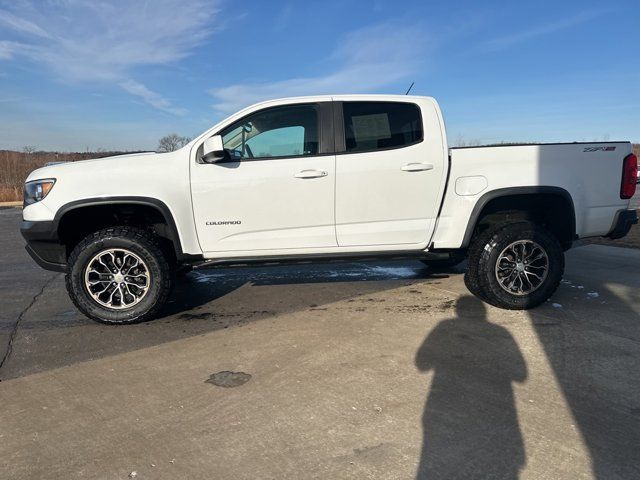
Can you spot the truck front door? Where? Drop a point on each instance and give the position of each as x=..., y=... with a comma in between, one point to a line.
x=277, y=192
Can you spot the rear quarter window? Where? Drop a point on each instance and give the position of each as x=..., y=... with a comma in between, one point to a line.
x=370, y=126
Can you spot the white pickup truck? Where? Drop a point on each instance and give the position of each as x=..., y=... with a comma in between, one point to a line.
x=325, y=177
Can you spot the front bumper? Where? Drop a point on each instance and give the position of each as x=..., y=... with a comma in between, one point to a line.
x=623, y=222
x=43, y=245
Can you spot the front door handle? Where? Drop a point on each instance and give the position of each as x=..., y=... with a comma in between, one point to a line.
x=417, y=167
x=311, y=174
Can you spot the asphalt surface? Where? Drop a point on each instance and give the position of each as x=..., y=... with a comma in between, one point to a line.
x=54, y=334
x=358, y=370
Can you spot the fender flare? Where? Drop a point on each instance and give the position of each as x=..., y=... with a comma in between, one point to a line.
x=509, y=191
x=122, y=200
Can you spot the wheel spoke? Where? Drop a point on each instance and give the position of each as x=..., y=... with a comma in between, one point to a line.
x=518, y=279
x=104, y=289
x=540, y=256
x=132, y=266
x=513, y=282
x=532, y=274
x=110, y=300
x=131, y=294
x=542, y=265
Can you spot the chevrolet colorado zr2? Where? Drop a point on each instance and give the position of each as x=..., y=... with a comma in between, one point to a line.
x=320, y=178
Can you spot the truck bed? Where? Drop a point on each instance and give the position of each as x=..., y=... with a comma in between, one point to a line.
x=590, y=172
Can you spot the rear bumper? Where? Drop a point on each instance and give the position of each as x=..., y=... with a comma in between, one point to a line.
x=623, y=222
x=44, y=246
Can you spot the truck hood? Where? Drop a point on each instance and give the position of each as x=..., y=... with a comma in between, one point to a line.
x=95, y=166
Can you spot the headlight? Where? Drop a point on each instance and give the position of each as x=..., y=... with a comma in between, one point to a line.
x=37, y=190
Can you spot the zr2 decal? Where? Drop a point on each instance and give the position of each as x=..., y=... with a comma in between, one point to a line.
x=599, y=149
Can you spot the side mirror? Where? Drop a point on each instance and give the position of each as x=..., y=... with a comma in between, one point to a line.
x=213, y=150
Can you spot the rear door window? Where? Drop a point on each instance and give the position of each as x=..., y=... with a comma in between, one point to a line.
x=370, y=126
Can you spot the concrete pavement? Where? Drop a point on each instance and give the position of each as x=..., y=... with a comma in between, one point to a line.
x=357, y=371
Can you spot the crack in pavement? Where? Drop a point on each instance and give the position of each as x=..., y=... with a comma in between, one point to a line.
x=14, y=331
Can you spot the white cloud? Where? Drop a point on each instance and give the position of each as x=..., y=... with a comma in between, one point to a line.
x=105, y=41
x=8, y=49
x=283, y=18
x=152, y=98
x=366, y=60
x=21, y=24
x=506, y=41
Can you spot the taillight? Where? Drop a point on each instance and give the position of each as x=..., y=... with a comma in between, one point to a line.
x=629, y=177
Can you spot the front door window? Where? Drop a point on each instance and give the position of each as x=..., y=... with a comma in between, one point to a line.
x=289, y=131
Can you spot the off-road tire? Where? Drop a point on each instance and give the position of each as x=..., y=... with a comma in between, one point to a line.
x=472, y=275
x=484, y=252
x=141, y=243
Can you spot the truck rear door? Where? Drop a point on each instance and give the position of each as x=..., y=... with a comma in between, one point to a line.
x=390, y=172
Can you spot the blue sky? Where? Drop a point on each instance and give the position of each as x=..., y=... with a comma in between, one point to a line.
x=119, y=74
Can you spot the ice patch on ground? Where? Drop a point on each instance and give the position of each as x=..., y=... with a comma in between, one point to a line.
x=206, y=277
x=335, y=274
x=570, y=284
x=593, y=294
x=403, y=272
x=556, y=305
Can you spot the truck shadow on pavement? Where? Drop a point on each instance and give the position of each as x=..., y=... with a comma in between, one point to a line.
x=203, y=302
x=203, y=287
x=470, y=423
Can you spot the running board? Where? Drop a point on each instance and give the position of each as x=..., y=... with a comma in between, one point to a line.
x=316, y=258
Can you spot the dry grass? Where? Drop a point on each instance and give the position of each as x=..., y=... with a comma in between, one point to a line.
x=10, y=194
x=16, y=166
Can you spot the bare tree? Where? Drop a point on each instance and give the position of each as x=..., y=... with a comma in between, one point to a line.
x=29, y=149
x=172, y=142
x=462, y=142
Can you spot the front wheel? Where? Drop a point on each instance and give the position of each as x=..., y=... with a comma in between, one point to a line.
x=517, y=267
x=118, y=275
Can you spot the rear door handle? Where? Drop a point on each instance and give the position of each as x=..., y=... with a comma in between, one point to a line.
x=417, y=167
x=311, y=174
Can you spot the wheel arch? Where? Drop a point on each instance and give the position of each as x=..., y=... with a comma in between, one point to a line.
x=70, y=213
x=527, y=201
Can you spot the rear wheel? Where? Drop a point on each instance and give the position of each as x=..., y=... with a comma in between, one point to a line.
x=118, y=276
x=517, y=267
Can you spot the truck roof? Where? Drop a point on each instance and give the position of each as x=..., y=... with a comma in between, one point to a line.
x=344, y=97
